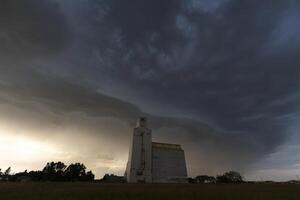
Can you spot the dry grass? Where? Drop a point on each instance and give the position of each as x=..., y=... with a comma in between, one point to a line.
x=90, y=191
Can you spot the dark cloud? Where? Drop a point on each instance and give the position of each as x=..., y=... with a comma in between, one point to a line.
x=30, y=28
x=211, y=64
x=225, y=72
x=217, y=65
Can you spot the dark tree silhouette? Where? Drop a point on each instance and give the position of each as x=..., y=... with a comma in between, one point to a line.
x=7, y=171
x=88, y=176
x=75, y=172
x=205, y=179
x=54, y=171
x=230, y=177
x=5, y=176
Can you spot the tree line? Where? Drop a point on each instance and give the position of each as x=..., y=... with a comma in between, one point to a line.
x=53, y=171
x=228, y=177
x=59, y=172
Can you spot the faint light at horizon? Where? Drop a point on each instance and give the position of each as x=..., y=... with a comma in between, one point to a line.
x=16, y=149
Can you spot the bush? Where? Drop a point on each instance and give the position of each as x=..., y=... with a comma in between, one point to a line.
x=230, y=177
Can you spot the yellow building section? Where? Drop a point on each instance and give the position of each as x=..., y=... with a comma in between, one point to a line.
x=167, y=147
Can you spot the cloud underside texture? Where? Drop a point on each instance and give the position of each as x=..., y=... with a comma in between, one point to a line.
x=232, y=68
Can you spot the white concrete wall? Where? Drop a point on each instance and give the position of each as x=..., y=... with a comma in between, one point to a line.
x=168, y=165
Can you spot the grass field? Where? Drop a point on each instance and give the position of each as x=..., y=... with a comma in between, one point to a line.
x=90, y=191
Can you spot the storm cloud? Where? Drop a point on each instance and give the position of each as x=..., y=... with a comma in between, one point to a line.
x=224, y=65
x=220, y=78
x=31, y=27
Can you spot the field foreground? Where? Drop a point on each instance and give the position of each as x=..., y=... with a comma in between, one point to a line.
x=91, y=191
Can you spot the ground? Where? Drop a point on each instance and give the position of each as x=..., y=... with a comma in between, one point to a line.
x=93, y=191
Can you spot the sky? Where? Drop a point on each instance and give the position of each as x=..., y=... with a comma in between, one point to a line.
x=220, y=77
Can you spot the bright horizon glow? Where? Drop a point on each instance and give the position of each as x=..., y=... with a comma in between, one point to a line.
x=18, y=150
x=24, y=153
